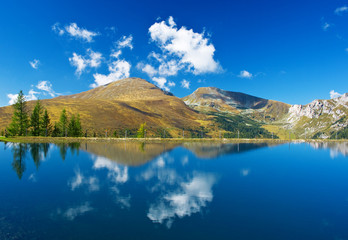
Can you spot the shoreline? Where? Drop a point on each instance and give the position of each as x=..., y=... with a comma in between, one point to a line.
x=156, y=140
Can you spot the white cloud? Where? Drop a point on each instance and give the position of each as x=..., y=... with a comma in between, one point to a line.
x=245, y=74
x=334, y=94
x=160, y=82
x=171, y=84
x=326, y=26
x=46, y=86
x=13, y=98
x=147, y=68
x=91, y=59
x=79, y=62
x=31, y=96
x=57, y=29
x=115, y=54
x=190, y=198
x=192, y=49
x=341, y=10
x=118, y=69
x=76, y=32
x=125, y=42
x=35, y=63
x=185, y=84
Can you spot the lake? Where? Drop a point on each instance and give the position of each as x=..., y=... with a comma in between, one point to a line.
x=131, y=190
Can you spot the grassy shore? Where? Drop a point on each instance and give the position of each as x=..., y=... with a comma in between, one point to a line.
x=89, y=139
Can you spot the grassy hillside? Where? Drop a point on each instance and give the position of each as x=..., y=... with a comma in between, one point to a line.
x=121, y=105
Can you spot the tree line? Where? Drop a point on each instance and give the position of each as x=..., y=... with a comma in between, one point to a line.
x=38, y=122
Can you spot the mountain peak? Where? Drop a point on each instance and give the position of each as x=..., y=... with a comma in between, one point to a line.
x=127, y=89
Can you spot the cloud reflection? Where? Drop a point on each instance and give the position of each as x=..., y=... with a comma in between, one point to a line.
x=189, y=198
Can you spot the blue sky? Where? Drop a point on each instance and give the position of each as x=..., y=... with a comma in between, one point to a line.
x=291, y=51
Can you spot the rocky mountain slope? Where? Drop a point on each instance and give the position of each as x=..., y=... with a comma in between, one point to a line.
x=320, y=118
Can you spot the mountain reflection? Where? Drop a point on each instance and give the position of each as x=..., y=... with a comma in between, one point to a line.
x=128, y=153
x=212, y=150
x=336, y=148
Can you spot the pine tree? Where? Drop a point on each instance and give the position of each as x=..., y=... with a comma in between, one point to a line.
x=36, y=119
x=74, y=128
x=78, y=129
x=141, y=130
x=46, y=126
x=20, y=120
x=56, y=130
x=63, y=123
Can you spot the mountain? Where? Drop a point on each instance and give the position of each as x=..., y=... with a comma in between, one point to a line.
x=119, y=105
x=236, y=111
x=320, y=118
x=211, y=99
x=208, y=111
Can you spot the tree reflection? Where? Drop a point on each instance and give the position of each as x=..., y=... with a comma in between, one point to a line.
x=35, y=151
x=63, y=148
x=19, y=153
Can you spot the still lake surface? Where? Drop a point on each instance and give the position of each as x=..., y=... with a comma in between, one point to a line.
x=131, y=190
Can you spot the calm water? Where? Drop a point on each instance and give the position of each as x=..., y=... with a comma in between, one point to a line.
x=174, y=191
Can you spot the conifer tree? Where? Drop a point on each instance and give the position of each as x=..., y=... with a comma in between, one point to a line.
x=74, y=128
x=20, y=120
x=63, y=123
x=46, y=126
x=36, y=119
x=141, y=130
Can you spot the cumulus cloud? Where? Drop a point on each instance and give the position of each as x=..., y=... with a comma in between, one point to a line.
x=80, y=33
x=341, y=10
x=29, y=97
x=57, y=29
x=118, y=69
x=12, y=97
x=148, y=69
x=245, y=74
x=190, y=198
x=191, y=48
x=74, y=31
x=35, y=63
x=334, y=94
x=125, y=42
x=91, y=59
x=160, y=82
x=46, y=86
x=185, y=84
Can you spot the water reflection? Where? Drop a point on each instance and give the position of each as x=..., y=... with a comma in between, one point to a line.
x=213, y=150
x=336, y=148
x=19, y=151
x=174, y=193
